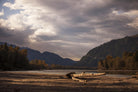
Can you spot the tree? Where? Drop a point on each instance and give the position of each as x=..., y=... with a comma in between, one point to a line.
x=12, y=57
x=129, y=61
x=100, y=65
x=38, y=64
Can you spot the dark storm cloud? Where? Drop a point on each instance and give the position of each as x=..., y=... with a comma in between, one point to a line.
x=4, y=32
x=14, y=36
x=58, y=5
x=49, y=38
x=80, y=25
x=76, y=30
x=90, y=13
x=98, y=11
x=125, y=5
x=102, y=11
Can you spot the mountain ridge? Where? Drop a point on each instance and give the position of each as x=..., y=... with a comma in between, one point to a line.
x=114, y=48
x=49, y=57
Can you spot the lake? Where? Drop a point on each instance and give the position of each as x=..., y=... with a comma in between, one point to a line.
x=64, y=72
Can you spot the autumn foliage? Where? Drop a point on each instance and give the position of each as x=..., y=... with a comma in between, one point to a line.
x=13, y=58
x=128, y=61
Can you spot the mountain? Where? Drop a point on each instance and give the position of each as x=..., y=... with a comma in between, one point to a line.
x=49, y=57
x=114, y=48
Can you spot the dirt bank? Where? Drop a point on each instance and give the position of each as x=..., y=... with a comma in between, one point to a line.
x=35, y=82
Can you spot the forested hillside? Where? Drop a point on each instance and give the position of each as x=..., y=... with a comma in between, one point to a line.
x=113, y=48
x=128, y=61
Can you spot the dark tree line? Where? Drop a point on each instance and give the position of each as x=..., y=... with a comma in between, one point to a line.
x=38, y=64
x=13, y=58
x=128, y=61
x=41, y=64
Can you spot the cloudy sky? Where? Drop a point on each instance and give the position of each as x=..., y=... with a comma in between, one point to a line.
x=69, y=28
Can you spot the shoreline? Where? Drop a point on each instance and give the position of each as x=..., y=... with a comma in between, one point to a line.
x=117, y=73
x=37, y=82
x=124, y=72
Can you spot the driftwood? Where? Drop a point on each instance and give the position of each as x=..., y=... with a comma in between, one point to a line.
x=80, y=80
x=87, y=74
x=75, y=76
x=69, y=75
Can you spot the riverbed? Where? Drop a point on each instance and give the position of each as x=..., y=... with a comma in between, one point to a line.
x=48, y=81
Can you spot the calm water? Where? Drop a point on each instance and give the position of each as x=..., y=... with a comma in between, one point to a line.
x=63, y=72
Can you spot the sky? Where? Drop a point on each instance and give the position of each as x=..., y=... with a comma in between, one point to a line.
x=69, y=28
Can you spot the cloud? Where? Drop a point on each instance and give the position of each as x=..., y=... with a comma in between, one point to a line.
x=68, y=27
x=2, y=13
x=14, y=37
x=125, y=5
x=42, y=32
x=134, y=24
x=4, y=32
x=14, y=22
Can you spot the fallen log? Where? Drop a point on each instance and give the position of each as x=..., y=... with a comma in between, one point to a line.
x=75, y=76
x=69, y=75
x=80, y=80
x=87, y=74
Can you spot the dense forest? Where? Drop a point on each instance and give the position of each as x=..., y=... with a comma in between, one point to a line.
x=40, y=64
x=13, y=58
x=128, y=61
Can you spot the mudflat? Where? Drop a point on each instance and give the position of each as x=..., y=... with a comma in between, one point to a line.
x=37, y=82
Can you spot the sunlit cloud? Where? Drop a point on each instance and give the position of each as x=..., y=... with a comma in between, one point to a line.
x=134, y=24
